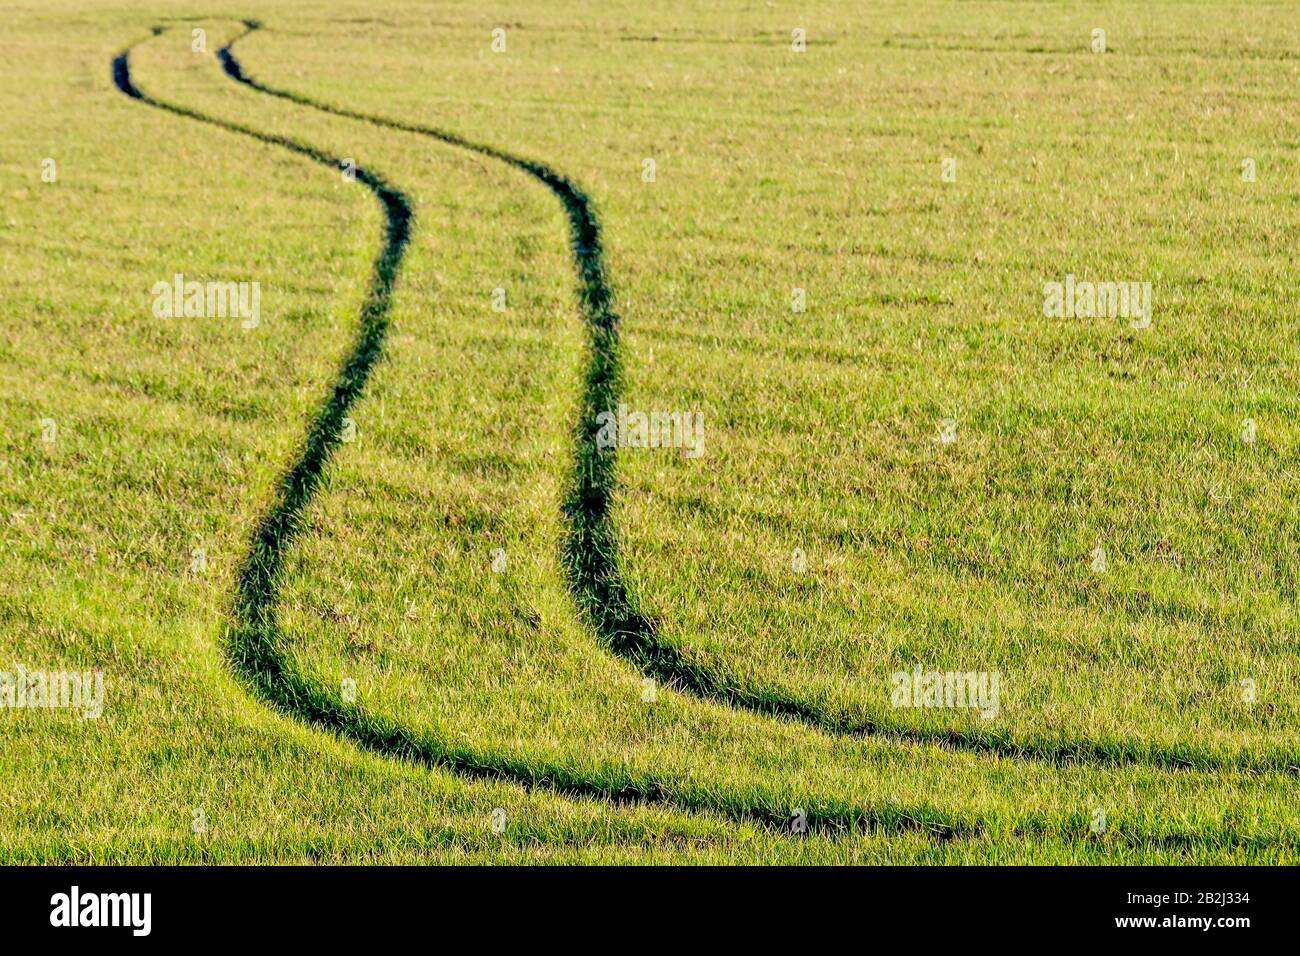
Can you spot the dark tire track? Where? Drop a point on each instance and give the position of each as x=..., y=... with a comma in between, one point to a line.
x=253, y=640
x=591, y=544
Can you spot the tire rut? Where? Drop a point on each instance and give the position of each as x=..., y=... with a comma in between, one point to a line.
x=253, y=639
x=591, y=544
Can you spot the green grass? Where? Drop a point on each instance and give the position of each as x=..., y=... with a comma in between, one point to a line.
x=1120, y=691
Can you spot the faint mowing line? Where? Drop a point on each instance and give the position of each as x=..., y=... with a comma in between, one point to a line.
x=591, y=545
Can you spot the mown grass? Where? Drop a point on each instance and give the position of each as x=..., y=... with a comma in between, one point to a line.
x=774, y=170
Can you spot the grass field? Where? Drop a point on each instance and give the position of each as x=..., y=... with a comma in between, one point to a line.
x=364, y=586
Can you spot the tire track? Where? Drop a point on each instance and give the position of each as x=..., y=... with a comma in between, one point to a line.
x=591, y=544
x=253, y=640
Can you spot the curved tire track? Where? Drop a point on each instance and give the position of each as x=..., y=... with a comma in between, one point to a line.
x=254, y=639
x=591, y=544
